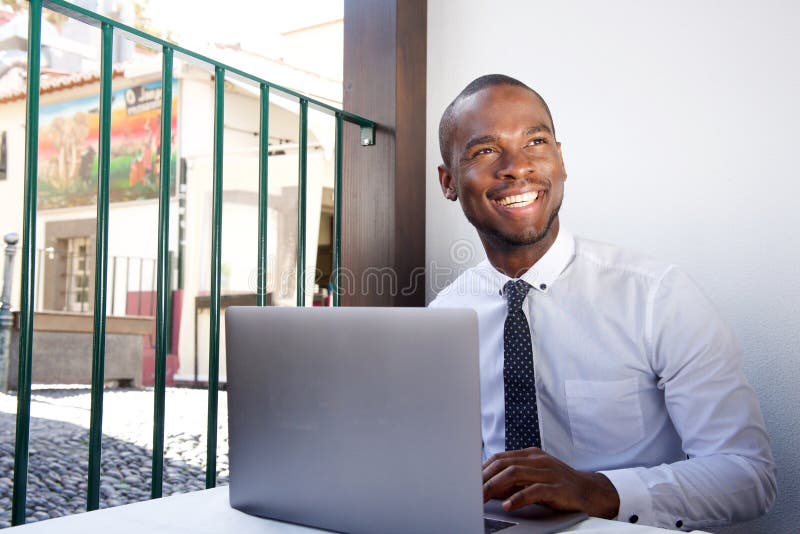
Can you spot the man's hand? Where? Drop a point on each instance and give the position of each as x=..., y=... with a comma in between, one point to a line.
x=531, y=476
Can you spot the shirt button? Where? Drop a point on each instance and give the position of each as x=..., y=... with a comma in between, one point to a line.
x=634, y=518
x=542, y=286
x=679, y=523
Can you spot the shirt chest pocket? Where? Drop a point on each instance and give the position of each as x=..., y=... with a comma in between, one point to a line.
x=604, y=416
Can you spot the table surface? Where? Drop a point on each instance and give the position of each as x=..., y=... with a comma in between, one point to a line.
x=208, y=512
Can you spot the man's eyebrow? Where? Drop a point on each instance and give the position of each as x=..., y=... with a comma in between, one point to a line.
x=537, y=129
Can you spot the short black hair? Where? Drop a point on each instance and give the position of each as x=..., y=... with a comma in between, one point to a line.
x=448, y=121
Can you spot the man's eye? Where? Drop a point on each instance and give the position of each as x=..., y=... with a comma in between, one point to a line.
x=537, y=141
x=481, y=151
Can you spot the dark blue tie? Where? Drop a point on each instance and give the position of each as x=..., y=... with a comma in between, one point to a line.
x=519, y=385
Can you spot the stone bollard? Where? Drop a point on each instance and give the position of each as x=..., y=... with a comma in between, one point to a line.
x=6, y=318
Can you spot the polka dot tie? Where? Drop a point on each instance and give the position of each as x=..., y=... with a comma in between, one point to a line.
x=519, y=386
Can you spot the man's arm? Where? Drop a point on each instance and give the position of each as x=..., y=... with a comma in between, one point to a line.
x=729, y=474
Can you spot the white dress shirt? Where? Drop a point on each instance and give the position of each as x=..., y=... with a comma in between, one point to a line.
x=637, y=377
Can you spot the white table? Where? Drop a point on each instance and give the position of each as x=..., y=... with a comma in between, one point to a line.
x=208, y=512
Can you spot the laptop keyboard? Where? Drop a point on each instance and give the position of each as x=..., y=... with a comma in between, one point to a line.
x=495, y=525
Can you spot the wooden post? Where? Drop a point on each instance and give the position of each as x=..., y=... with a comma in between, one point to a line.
x=383, y=227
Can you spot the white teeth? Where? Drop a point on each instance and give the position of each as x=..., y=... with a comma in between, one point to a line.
x=518, y=201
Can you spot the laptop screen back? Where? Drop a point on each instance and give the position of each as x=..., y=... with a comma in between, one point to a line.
x=356, y=419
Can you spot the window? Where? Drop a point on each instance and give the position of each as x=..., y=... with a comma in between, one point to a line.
x=78, y=275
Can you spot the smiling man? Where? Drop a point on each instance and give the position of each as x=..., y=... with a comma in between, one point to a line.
x=609, y=384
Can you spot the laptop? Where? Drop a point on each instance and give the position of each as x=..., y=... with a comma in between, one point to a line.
x=362, y=420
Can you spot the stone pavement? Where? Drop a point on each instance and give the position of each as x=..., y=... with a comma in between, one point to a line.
x=59, y=447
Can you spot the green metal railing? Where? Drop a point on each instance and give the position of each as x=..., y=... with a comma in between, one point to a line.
x=109, y=28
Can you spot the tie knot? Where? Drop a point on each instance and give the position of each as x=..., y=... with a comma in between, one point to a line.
x=516, y=291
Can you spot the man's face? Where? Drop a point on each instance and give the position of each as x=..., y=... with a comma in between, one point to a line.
x=506, y=166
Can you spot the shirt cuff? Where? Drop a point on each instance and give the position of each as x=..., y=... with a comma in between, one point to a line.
x=635, y=504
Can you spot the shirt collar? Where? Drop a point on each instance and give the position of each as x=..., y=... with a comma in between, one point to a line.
x=544, y=272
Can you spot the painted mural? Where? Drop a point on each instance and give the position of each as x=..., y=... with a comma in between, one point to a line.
x=68, y=144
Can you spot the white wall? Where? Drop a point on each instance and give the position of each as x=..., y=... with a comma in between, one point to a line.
x=679, y=123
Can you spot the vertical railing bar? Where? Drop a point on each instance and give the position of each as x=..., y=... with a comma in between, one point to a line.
x=127, y=281
x=196, y=352
x=100, y=270
x=337, y=214
x=159, y=389
x=153, y=283
x=54, y=277
x=216, y=260
x=70, y=278
x=139, y=291
x=22, y=436
x=113, y=283
x=263, y=192
x=37, y=291
x=168, y=318
x=301, y=204
x=84, y=294
x=181, y=219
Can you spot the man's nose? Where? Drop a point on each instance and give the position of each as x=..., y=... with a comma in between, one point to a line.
x=514, y=164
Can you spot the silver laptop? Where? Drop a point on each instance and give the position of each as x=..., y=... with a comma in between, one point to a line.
x=362, y=420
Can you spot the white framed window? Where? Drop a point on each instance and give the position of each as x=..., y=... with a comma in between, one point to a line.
x=77, y=275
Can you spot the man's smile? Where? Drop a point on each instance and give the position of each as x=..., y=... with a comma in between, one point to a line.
x=518, y=201
x=512, y=201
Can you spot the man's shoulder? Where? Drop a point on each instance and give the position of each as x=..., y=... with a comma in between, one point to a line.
x=473, y=282
x=606, y=257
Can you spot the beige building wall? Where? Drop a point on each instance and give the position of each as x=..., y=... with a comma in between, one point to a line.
x=133, y=226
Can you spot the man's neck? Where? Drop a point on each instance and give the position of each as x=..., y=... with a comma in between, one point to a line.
x=515, y=261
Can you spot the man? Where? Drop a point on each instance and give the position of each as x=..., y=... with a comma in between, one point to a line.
x=608, y=382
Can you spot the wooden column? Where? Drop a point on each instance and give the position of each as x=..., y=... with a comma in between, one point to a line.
x=383, y=228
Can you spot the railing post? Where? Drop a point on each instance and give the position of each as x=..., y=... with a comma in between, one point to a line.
x=216, y=264
x=163, y=277
x=28, y=302
x=337, y=216
x=301, y=205
x=263, y=194
x=100, y=270
x=6, y=318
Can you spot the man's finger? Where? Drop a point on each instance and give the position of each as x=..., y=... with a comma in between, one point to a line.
x=513, y=477
x=498, y=466
x=534, y=494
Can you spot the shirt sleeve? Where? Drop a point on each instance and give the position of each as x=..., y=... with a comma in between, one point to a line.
x=729, y=474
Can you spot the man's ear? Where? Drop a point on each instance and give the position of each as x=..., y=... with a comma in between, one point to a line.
x=561, y=157
x=448, y=183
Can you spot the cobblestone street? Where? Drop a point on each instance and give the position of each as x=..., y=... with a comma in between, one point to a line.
x=59, y=447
